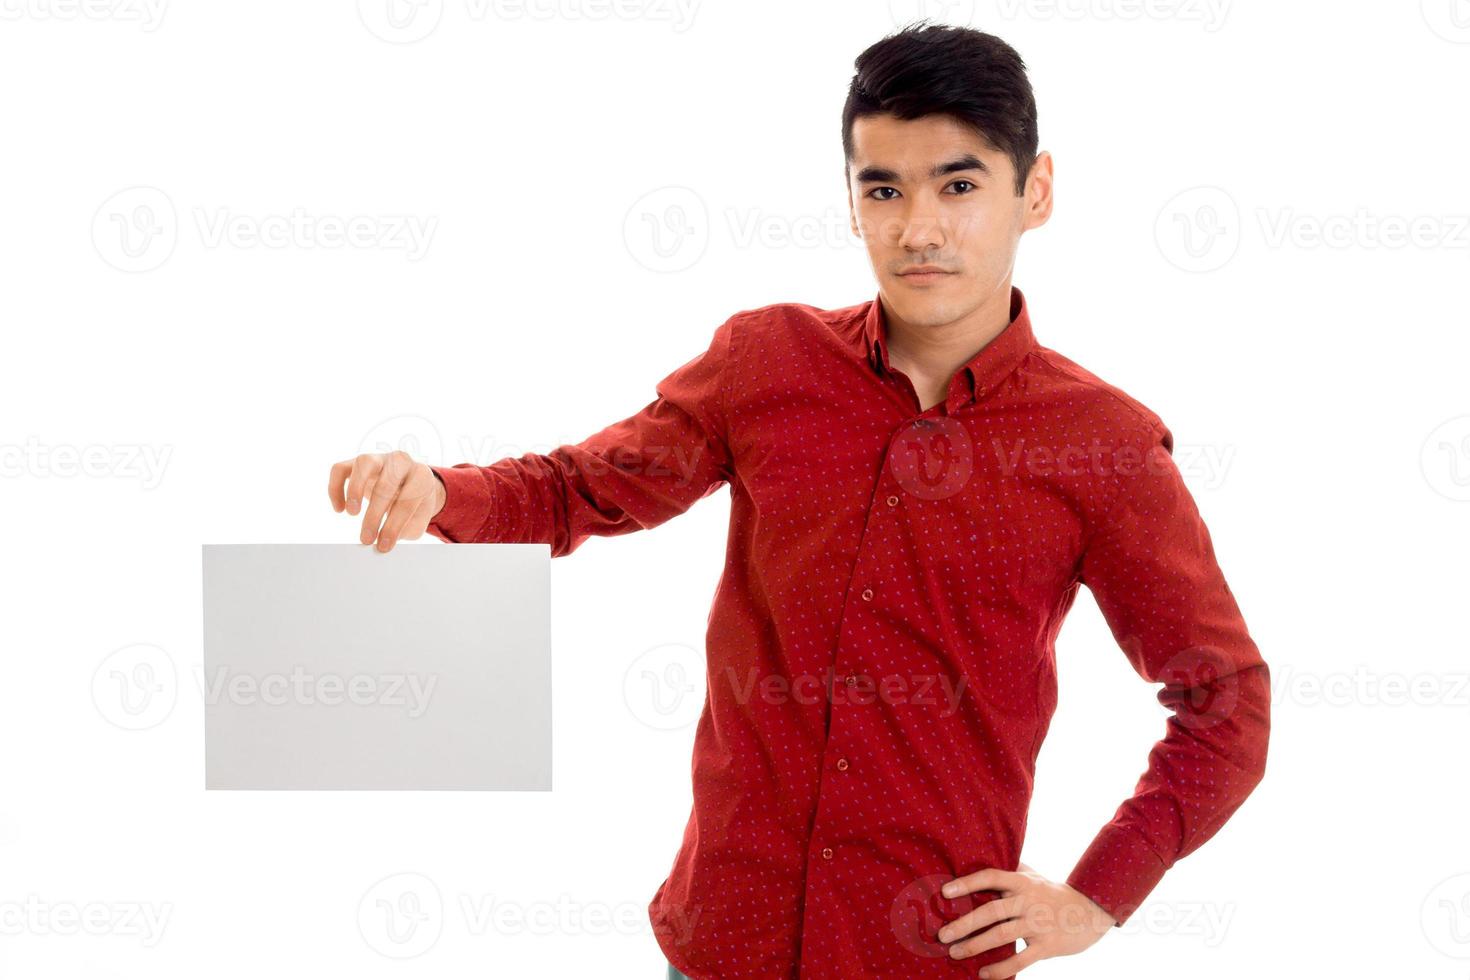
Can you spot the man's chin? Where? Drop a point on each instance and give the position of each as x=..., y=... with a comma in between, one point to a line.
x=933, y=304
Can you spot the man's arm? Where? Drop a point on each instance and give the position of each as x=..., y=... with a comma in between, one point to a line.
x=1151, y=567
x=634, y=474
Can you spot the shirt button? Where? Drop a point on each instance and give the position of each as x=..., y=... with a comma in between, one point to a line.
x=842, y=764
x=892, y=500
x=826, y=852
x=867, y=595
x=851, y=679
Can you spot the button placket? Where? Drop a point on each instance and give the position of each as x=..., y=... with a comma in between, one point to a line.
x=884, y=500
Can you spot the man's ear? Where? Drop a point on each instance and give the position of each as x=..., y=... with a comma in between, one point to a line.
x=1039, y=184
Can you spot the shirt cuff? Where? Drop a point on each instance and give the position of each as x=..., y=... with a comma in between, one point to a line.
x=1118, y=871
x=466, y=507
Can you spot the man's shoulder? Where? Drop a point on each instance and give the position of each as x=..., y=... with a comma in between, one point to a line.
x=1100, y=402
x=783, y=314
x=792, y=328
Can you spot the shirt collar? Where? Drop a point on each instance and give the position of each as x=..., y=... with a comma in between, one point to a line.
x=978, y=376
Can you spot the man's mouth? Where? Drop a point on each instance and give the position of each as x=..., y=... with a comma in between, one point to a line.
x=924, y=273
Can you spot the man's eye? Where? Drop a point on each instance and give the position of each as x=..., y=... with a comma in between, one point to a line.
x=965, y=182
x=878, y=189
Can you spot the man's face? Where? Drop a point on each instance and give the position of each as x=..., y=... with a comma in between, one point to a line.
x=930, y=192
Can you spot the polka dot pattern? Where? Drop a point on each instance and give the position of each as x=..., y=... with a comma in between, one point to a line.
x=880, y=649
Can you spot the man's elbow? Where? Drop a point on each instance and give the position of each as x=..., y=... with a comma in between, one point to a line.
x=1254, y=723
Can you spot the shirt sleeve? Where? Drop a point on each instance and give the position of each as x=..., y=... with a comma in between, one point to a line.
x=1151, y=567
x=631, y=475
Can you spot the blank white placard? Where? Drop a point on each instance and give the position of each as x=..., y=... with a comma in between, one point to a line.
x=332, y=666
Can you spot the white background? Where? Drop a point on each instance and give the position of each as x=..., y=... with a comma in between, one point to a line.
x=1230, y=180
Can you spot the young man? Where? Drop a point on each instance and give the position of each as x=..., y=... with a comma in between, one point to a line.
x=918, y=489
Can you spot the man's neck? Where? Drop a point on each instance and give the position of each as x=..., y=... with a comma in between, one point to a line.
x=930, y=355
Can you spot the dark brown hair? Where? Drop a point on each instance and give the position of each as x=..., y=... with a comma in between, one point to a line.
x=968, y=74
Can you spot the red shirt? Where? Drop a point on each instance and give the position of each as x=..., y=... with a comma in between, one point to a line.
x=881, y=668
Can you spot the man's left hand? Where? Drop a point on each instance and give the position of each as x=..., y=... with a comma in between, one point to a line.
x=1052, y=918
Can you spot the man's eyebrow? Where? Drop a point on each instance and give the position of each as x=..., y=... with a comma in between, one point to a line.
x=882, y=175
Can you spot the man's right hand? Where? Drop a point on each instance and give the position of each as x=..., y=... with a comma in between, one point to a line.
x=402, y=496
